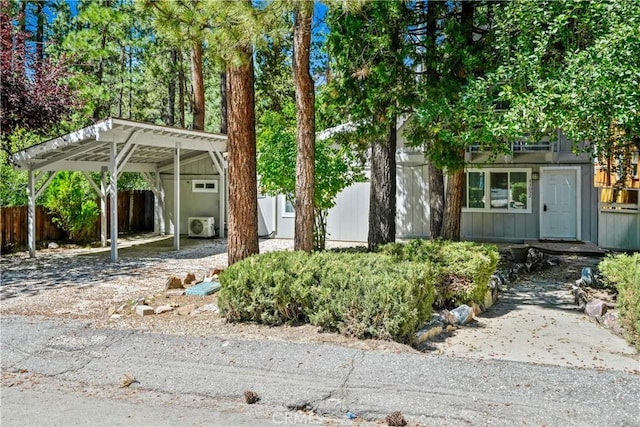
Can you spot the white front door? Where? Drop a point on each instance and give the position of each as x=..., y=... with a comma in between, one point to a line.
x=560, y=215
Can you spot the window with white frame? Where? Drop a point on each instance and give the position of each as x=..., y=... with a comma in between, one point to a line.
x=288, y=209
x=204, y=186
x=497, y=190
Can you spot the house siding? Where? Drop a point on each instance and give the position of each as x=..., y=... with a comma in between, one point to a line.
x=192, y=204
x=619, y=230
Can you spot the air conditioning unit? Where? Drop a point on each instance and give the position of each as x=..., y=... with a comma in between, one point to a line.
x=202, y=226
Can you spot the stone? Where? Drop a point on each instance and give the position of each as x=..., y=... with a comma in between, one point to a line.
x=53, y=245
x=488, y=299
x=587, y=275
x=144, y=310
x=595, y=308
x=115, y=316
x=580, y=296
x=463, y=314
x=173, y=283
x=163, y=309
x=203, y=288
x=611, y=320
x=447, y=317
x=209, y=307
x=434, y=328
x=186, y=310
x=174, y=293
x=476, y=309
x=189, y=279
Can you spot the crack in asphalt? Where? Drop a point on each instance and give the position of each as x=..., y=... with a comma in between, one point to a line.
x=339, y=392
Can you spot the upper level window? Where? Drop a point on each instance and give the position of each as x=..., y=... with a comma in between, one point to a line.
x=497, y=190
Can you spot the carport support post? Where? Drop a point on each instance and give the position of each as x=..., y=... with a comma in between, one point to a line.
x=31, y=214
x=114, y=202
x=103, y=206
x=176, y=198
x=159, y=204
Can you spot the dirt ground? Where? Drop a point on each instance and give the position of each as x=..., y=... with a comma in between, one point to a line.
x=81, y=283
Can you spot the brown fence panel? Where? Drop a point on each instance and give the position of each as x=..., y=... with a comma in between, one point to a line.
x=135, y=214
x=13, y=227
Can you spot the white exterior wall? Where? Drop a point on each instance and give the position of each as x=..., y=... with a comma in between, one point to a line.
x=192, y=204
x=348, y=220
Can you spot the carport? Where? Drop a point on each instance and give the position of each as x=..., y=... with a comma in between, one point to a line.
x=114, y=146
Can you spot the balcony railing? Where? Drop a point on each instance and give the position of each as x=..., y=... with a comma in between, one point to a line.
x=522, y=147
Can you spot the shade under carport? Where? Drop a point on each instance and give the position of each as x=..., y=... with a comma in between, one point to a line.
x=113, y=146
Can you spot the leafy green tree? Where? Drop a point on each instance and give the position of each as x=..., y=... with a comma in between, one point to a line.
x=336, y=166
x=456, y=54
x=187, y=22
x=573, y=66
x=107, y=41
x=72, y=202
x=374, y=82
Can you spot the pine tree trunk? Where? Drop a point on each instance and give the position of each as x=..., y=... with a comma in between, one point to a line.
x=382, y=201
x=436, y=201
x=243, y=193
x=305, y=118
x=198, y=86
x=122, y=73
x=223, y=103
x=171, y=95
x=181, y=90
x=455, y=184
x=453, y=209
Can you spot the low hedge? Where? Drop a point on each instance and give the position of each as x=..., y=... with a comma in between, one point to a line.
x=463, y=268
x=366, y=295
x=622, y=272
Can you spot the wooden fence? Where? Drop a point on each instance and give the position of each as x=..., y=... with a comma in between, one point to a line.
x=135, y=214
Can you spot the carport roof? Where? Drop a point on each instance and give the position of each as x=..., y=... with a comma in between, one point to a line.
x=143, y=147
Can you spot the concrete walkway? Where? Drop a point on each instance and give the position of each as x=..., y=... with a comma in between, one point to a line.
x=537, y=321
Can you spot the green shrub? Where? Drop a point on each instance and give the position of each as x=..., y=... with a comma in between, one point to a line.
x=71, y=200
x=363, y=295
x=271, y=288
x=463, y=268
x=372, y=295
x=622, y=272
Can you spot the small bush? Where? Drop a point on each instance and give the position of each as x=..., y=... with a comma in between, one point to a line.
x=70, y=199
x=463, y=268
x=372, y=296
x=362, y=295
x=622, y=272
x=272, y=288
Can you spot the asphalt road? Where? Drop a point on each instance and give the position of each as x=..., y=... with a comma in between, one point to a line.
x=199, y=381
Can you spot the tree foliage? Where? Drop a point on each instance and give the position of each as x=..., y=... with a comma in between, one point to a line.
x=573, y=66
x=336, y=165
x=34, y=92
x=372, y=79
x=71, y=200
